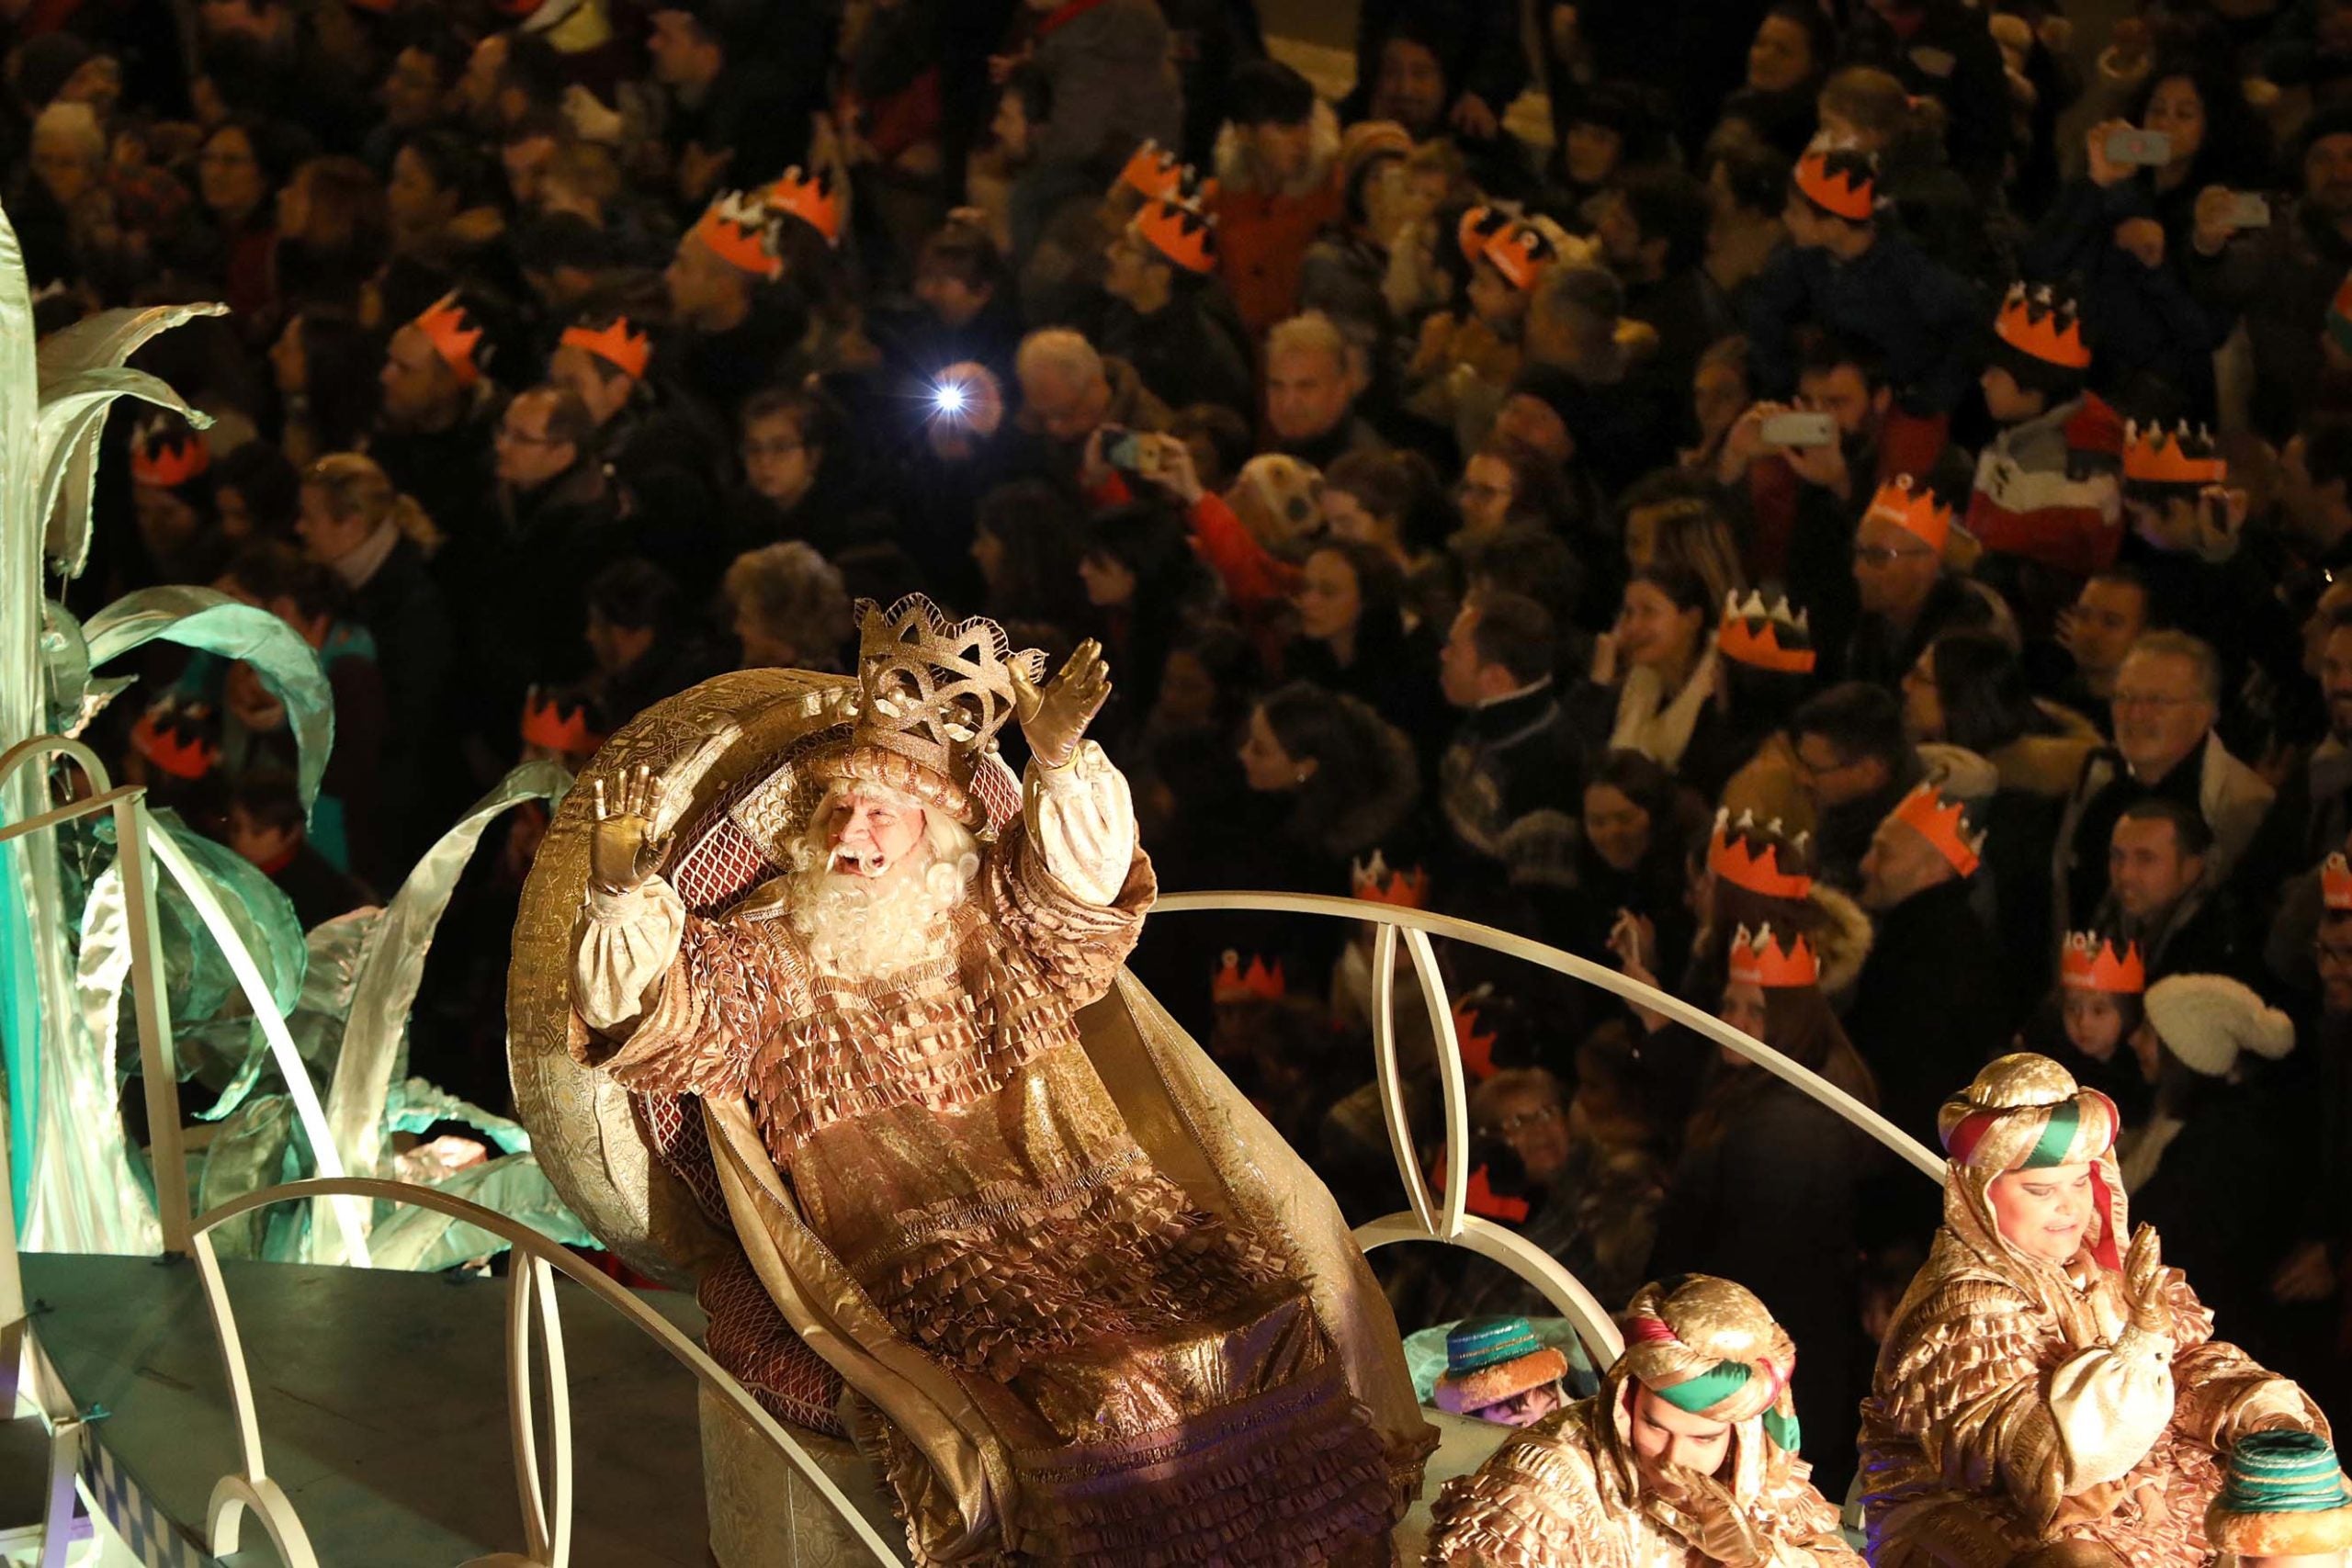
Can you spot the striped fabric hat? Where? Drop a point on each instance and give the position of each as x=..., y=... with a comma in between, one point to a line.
x=1489, y=1360
x=2024, y=1112
x=1708, y=1347
x=2283, y=1497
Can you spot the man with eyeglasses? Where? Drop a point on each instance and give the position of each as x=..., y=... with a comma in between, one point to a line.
x=1907, y=601
x=2167, y=696
x=1854, y=759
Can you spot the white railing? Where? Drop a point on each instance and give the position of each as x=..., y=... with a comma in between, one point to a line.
x=547, y=1493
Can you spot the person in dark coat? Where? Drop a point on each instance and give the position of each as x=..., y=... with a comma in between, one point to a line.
x=267, y=827
x=1353, y=639
x=1170, y=317
x=1930, y=1006
x=1766, y=1189
x=1856, y=764
x=2158, y=895
x=1513, y=771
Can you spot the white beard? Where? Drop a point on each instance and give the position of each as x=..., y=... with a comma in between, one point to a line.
x=861, y=928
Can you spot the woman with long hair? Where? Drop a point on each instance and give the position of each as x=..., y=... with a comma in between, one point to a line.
x=1352, y=637
x=1766, y=1189
x=1143, y=584
x=1652, y=684
x=1028, y=536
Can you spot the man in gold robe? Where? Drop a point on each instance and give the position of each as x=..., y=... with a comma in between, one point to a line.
x=1687, y=1456
x=1149, y=1381
x=2044, y=1394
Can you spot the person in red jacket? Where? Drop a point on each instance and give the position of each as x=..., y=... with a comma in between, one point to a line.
x=1277, y=188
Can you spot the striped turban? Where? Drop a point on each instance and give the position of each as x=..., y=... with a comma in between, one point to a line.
x=1708, y=1347
x=2024, y=1112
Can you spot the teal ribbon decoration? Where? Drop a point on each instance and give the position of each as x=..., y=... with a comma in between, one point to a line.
x=2057, y=1137
x=1707, y=1390
x=1784, y=1430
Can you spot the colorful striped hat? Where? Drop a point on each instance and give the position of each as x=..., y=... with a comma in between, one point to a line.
x=2283, y=1495
x=1489, y=1360
x=1708, y=1347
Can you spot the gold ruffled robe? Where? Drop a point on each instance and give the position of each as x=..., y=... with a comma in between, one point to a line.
x=2014, y=1407
x=1157, y=1383
x=1564, y=1491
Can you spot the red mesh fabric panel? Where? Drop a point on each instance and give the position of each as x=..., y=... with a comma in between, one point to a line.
x=749, y=1337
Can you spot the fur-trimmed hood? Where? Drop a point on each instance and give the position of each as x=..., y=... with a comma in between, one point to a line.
x=1842, y=942
x=1374, y=817
x=1233, y=174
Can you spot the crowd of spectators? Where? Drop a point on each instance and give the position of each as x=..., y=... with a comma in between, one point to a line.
x=1812, y=533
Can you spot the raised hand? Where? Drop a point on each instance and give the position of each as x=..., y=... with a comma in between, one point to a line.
x=1054, y=718
x=2143, y=1283
x=622, y=848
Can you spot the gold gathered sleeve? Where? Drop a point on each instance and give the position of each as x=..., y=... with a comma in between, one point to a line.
x=1068, y=883
x=622, y=946
x=1534, y=1502
x=1966, y=1381
x=697, y=991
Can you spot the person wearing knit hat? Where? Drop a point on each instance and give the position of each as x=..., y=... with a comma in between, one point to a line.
x=2042, y=1385
x=2206, y=1021
x=1496, y=1370
x=2283, y=1501
x=1688, y=1453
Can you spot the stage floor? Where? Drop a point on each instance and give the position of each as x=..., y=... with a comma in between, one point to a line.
x=383, y=1402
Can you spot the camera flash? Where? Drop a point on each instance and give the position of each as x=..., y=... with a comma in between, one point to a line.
x=948, y=397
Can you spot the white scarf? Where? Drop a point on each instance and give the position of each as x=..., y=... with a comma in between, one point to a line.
x=1648, y=723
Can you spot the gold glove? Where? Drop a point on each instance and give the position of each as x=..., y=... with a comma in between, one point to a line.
x=623, y=850
x=2143, y=1283
x=1054, y=718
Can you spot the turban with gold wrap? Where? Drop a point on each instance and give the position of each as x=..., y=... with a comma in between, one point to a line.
x=1708, y=1347
x=2024, y=1112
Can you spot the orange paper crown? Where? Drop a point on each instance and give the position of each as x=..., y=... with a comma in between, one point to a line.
x=172, y=738
x=2335, y=885
x=814, y=199
x=1943, y=824
x=1849, y=191
x=1520, y=253
x=1759, y=959
x=1375, y=883
x=455, y=336
x=741, y=232
x=1261, y=981
x=1916, y=512
x=2152, y=457
x=1478, y=226
x=1757, y=870
x=2043, y=326
x=166, y=454
x=1185, y=237
x=1477, y=1049
x=2089, y=963
x=1154, y=172
x=620, y=346
x=1765, y=636
x=557, y=727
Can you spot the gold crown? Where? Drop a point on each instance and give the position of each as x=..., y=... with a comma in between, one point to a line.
x=1261, y=981
x=1850, y=192
x=2151, y=456
x=1477, y=1046
x=1186, y=237
x=1478, y=226
x=931, y=694
x=741, y=231
x=166, y=454
x=1153, y=171
x=620, y=346
x=1943, y=824
x=1758, y=959
x=1757, y=870
x=813, y=198
x=457, y=338
x=2090, y=962
x=557, y=724
x=2335, y=885
x=1765, y=636
x=2044, y=326
x=1375, y=883
x=1916, y=512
